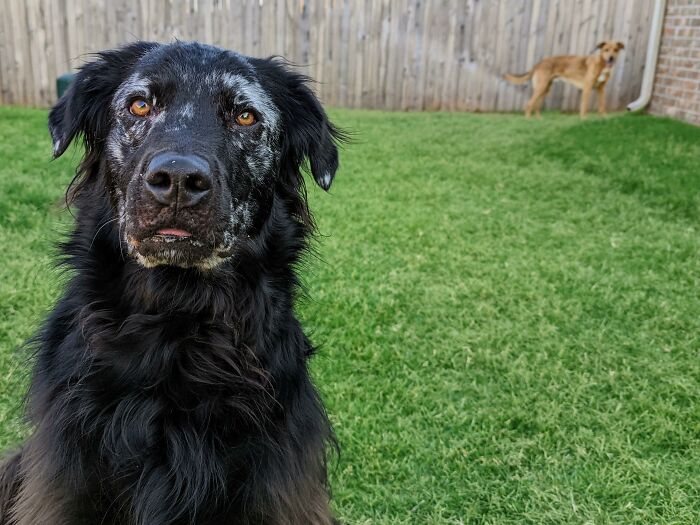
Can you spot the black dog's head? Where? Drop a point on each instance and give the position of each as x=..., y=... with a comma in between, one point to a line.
x=193, y=142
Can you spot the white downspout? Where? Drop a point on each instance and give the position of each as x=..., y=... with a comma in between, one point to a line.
x=657, y=24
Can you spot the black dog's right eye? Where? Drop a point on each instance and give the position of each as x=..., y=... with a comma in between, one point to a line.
x=245, y=118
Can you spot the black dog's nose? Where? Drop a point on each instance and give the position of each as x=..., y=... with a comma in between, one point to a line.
x=181, y=180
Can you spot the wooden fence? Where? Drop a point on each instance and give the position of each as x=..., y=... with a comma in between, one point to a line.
x=391, y=54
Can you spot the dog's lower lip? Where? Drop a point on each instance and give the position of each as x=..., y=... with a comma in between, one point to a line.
x=174, y=232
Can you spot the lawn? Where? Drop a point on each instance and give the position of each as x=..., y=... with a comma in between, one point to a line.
x=508, y=313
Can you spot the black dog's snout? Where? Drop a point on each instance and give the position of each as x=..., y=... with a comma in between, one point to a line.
x=182, y=180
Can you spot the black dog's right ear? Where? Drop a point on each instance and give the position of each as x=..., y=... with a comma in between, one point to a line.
x=310, y=135
x=84, y=108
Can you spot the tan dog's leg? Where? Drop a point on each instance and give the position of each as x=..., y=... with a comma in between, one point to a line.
x=585, y=99
x=530, y=105
x=601, y=100
x=540, y=100
x=540, y=86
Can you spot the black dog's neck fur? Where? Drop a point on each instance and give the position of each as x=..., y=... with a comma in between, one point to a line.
x=172, y=345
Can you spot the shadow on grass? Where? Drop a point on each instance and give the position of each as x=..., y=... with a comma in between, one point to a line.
x=611, y=149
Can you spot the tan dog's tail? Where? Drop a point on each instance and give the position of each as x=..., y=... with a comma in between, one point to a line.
x=518, y=79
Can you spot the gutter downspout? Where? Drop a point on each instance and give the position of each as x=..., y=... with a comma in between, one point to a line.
x=657, y=24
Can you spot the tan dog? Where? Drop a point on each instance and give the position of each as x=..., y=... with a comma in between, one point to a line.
x=584, y=72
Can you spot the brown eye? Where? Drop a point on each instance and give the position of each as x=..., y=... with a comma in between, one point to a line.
x=245, y=118
x=140, y=108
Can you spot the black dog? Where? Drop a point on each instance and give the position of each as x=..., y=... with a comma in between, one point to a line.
x=171, y=382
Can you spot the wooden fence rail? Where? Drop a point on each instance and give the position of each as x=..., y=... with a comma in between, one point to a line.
x=390, y=54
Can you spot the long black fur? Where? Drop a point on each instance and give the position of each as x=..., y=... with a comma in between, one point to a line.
x=172, y=395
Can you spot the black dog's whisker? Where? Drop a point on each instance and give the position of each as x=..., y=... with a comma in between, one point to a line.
x=100, y=228
x=120, y=240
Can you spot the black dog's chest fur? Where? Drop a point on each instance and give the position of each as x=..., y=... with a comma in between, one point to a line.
x=174, y=411
x=197, y=430
x=173, y=414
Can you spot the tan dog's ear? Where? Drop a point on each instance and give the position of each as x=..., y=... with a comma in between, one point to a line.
x=600, y=45
x=620, y=45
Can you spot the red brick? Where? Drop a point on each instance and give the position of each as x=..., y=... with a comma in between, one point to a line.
x=677, y=83
x=687, y=73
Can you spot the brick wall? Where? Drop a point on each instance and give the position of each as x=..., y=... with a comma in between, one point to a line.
x=677, y=85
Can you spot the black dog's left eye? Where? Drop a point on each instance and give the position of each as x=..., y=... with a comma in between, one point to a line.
x=140, y=107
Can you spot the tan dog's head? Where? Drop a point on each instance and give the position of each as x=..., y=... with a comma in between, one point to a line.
x=609, y=50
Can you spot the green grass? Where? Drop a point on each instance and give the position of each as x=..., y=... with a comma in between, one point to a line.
x=509, y=313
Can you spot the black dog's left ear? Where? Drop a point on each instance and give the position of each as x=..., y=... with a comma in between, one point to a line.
x=309, y=132
x=68, y=117
x=84, y=108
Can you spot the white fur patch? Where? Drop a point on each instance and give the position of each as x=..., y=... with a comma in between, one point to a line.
x=326, y=179
x=187, y=111
x=134, y=85
x=251, y=92
x=604, y=75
